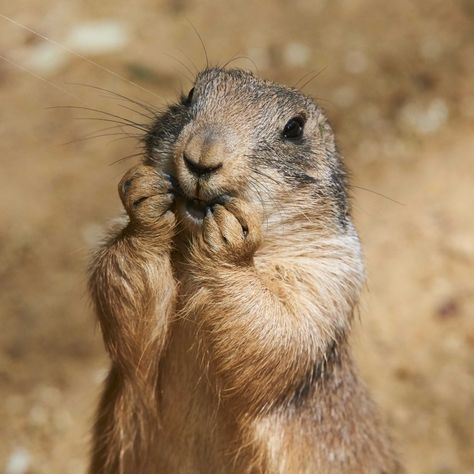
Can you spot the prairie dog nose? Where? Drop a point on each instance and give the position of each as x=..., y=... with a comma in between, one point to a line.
x=204, y=153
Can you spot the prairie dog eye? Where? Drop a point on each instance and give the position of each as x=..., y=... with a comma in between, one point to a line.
x=187, y=101
x=294, y=128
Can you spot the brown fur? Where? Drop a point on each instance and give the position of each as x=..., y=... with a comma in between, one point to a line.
x=228, y=338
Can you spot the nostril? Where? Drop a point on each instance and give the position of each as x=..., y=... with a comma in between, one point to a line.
x=199, y=169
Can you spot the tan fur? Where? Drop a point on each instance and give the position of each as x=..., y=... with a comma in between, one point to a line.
x=229, y=348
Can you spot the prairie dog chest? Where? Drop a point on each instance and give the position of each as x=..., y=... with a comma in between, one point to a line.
x=195, y=435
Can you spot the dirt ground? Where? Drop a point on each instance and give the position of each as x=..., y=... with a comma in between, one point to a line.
x=396, y=79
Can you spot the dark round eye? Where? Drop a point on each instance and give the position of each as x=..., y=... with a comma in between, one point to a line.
x=189, y=98
x=294, y=128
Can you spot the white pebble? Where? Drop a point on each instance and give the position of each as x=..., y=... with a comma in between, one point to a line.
x=426, y=119
x=98, y=37
x=46, y=58
x=297, y=54
x=19, y=462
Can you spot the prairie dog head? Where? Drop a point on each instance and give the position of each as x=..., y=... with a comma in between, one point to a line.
x=237, y=135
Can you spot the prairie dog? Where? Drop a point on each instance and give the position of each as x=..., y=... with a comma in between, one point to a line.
x=226, y=298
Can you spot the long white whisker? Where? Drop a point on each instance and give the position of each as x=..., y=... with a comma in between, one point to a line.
x=75, y=53
x=36, y=76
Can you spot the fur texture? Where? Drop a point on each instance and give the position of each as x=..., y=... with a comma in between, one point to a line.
x=226, y=298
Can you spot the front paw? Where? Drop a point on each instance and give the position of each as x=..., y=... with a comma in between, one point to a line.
x=147, y=196
x=231, y=232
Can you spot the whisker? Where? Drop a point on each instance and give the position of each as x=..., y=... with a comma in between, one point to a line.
x=236, y=58
x=131, y=109
x=319, y=99
x=196, y=69
x=273, y=203
x=377, y=193
x=91, y=137
x=137, y=138
x=91, y=109
x=125, y=124
x=127, y=157
x=261, y=173
x=105, y=129
x=182, y=64
x=312, y=78
x=201, y=41
x=37, y=76
x=113, y=127
x=75, y=53
x=304, y=76
x=254, y=186
x=149, y=108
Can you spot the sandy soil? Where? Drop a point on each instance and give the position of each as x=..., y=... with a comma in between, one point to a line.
x=397, y=85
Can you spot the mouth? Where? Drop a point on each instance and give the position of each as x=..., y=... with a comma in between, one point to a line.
x=193, y=210
x=197, y=209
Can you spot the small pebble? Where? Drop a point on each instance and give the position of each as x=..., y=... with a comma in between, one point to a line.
x=297, y=54
x=18, y=462
x=46, y=58
x=425, y=119
x=98, y=37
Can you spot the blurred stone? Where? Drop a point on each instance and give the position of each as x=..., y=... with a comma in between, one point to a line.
x=46, y=58
x=425, y=119
x=356, y=62
x=98, y=37
x=344, y=96
x=453, y=343
x=141, y=72
x=177, y=6
x=94, y=38
x=62, y=420
x=296, y=54
x=431, y=48
x=460, y=245
x=404, y=373
x=448, y=309
x=49, y=395
x=18, y=462
x=38, y=415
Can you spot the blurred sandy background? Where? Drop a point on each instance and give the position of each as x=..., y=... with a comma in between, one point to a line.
x=398, y=87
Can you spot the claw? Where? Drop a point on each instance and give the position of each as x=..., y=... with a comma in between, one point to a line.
x=171, y=180
x=139, y=201
x=126, y=185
